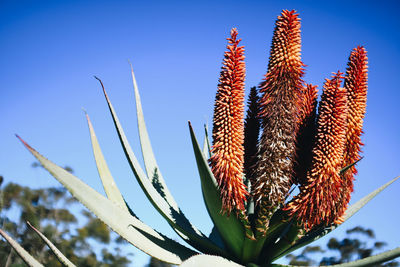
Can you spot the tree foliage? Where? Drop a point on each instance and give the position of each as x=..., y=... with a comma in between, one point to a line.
x=153, y=262
x=358, y=244
x=81, y=237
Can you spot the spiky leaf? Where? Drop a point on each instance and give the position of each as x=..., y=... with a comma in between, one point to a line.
x=230, y=227
x=373, y=260
x=61, y=258
x=206, y=144
x=345, y=169
x=369, y=261
x=109, y=184
x=25, y=256
x=130, y=228
x=174, y=217
x=320, y=232
x=152, y=169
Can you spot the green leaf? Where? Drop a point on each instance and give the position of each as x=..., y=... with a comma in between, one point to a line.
x=231, y=229
x=290, y=234
x=174, y=217
x=342, y=171
x=130, y=228
x=109, y=184
x=307, y=239
x=62, y=259
x=25, y=256
x=320, y=232
x=206, y=144
x=278, y=225
x=251, y=249
x=208, y=260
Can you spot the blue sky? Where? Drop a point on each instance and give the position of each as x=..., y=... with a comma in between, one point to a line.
x=50, y=51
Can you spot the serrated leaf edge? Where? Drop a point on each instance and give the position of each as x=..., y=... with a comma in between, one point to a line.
x=130, y=228
x=195, y=239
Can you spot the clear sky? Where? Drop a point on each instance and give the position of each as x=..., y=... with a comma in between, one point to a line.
x=50, y=50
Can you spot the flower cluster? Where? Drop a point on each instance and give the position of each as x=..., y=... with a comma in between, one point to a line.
x=284, y=141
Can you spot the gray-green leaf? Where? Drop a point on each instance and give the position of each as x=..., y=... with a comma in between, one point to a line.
x=130, y=228
x=320, y=232
x=174, y=217
x=25, y=256
x=231, y=229
x=109, y=184
x=61, y=258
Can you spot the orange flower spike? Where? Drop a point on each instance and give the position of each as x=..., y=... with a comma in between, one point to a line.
x=228, y=128
x=278, y=114
x=318, y=201
x=356, y=85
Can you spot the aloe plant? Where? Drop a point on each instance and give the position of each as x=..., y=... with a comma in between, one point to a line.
x=249, y=172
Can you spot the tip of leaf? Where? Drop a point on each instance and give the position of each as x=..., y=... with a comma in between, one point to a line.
x=87, y=117
x=23, y=142
x=130, y=64
x=30, y=225
x=343, y=170
x=102, y=86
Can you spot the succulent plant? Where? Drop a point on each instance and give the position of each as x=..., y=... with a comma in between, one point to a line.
x=249, y=172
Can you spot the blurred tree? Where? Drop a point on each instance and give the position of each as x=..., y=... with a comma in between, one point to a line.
x=360, y=243
x=82, y=238
x=157, y=263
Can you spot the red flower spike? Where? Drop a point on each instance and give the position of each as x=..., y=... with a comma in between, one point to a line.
x=228, y=130
x=319, y=200
x=356, y=85
x=306, y=134
x=278, y=114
